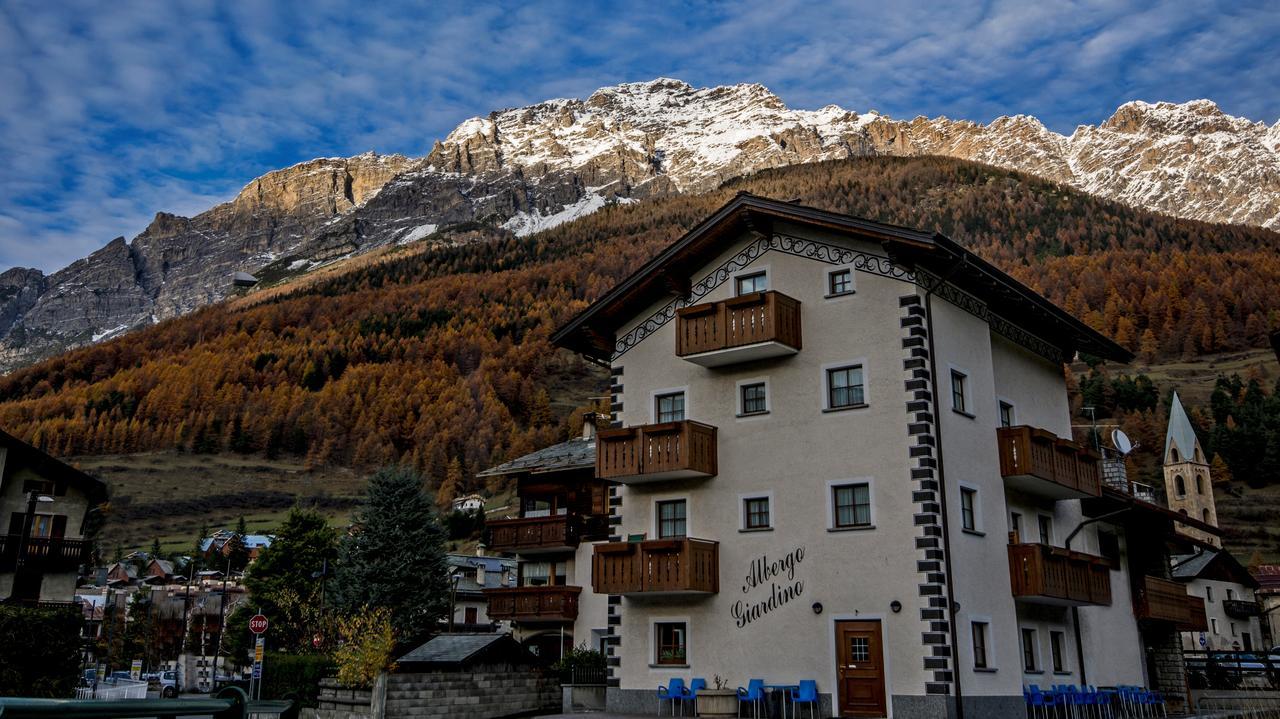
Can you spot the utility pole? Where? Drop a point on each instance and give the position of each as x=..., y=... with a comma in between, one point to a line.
x=222, y=623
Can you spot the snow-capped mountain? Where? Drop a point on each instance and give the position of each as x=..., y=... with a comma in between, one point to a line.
x=530, y=168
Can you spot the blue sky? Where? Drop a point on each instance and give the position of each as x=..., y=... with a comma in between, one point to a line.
x=110, y=112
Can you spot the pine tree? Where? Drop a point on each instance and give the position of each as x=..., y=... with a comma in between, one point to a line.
x=395, y=558
x=155, y=549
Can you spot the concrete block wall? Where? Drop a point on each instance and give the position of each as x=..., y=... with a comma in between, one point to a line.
x=479, y=693
x=339, y=702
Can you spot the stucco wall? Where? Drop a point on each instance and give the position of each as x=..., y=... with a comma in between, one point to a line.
x=1223, y=638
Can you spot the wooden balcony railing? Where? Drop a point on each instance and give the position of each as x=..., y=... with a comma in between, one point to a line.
x=653, y=452
x=1241, y=608
x=45, y=554
x=527, y=535
x=1038, y=461
x=1052, y=575
x=748, y=327
x=533, y=604
x=1162, y=600
x=657, y=566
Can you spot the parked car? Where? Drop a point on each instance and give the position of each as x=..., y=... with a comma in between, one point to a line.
x=165, y=682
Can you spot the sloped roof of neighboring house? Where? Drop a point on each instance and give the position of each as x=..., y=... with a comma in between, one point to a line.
x=458, y=651
x=1180, y=432
x=1206, y=564
x=129, y=570
x=1268, y=576
x=93, y=488
x=164, y=565
x=577, y=453
x=471, y=561
x=907, y=253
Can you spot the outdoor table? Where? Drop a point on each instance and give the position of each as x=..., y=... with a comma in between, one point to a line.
x=779, y=696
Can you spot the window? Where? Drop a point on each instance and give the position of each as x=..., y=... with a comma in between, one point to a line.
x=1179, y=485
x=1030, y=662
x=839, y=282
x=1233, y=628
x=671, y=518
x=1109, y=548
x=755, y=282
x=1173, y=454
x=968, y=509
x=669, y=407
x=755, y=512
x=1204, y=516
x=670, y=643
x=1230, y=594
x=1046, y=528
x=1208, y=594
x=1055, y=646
x=1015, y=527
x=542, y=574
x=844, y=387
x=852, y=505
x=1213, y=624
x=1006, y=414
x=980, y=645
x=958, y=380
x=753, y=398
x=1199, y=484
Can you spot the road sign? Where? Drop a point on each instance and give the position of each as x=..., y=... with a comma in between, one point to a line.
x=135, y=670
x=1204, y=642
x=259, y=648
x=258, y=624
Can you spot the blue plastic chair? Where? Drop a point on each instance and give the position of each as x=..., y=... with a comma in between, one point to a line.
x=692, y=694
x=807, y=693
x=673, y=692
x=753, y=695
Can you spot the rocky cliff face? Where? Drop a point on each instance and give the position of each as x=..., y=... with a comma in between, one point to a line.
x=530, y=168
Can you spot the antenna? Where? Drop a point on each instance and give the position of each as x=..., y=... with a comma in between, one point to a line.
x=1121, y=441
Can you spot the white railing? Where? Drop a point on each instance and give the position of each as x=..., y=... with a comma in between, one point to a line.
x=114, y=689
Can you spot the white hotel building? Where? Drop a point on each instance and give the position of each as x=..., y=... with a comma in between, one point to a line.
x=840, y=451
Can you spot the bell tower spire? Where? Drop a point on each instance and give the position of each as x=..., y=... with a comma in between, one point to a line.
x=1186, y=473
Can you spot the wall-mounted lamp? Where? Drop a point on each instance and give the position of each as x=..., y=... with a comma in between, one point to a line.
x=817, y=607
x=896, y=606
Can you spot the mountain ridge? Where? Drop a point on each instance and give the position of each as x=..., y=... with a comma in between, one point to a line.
x=526, y=169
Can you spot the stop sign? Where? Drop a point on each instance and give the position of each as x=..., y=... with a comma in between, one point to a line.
x=258, y=624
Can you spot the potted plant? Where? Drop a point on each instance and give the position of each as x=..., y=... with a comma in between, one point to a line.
x=722, y=701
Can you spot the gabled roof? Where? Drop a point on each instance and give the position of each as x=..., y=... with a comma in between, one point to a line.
x=592, y=331
x=455, y=651
x=94, y=489
x=577, y=453
x=1180, y=432
x=1208, y=564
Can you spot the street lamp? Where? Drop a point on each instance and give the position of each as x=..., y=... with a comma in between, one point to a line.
x=453, y=597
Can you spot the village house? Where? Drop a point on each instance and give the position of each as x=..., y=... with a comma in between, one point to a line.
x=470, y=576
x=468, y=503
x=562, y=510
x=48, y=505
x=841, y=451
x=218, y=544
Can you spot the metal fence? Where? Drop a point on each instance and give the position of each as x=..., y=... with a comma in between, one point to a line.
x=584, y=675
x=114, y=690
x=1232, y=670
x=1238, y=705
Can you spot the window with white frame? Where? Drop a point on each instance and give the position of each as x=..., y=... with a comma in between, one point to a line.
x=670, y=643
x=1057, y=650
x=969, y=509
x=1006, y=414
x=754, y=282
x=756, y=513
x=1213, y=624
x=845, y=387
x=753, y=398
x=1208, y=593
x=671, y=518
x=1045, y=523
x=668, y=407
x=980, y=658
x=851, y=505
x=958, y=382
x=840, y=282
x=1030, y=651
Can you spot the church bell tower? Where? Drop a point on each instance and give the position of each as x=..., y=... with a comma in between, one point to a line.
x=1186, y=474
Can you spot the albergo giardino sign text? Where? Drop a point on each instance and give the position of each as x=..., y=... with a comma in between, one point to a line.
x=778, y=576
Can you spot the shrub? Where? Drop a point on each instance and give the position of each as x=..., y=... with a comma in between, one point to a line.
x=43, y=668
x=296, y=674
x=367, y=647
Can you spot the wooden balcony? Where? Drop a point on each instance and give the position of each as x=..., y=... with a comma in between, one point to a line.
x=1038, y=462
x=1043, y=574
x=44, y=554
x=537, y=535
x=1241, y=608
x=533, y=604
x=656, y=452
x=656, y=567
x=1162, y=600
x=749, y=327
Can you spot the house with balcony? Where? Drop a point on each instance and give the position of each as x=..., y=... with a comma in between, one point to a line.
x=841, y=450
x=47, y=506
x=1233, y=615
x=562, y=513
x=470, y=576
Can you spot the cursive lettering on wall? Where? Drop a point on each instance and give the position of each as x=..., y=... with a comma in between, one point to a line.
x=779, y=575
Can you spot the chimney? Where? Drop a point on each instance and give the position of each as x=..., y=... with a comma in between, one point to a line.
x=589, y=425
x=480, y=549
x=480, y=573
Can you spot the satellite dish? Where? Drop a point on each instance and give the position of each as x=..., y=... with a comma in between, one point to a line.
x=1121, y=441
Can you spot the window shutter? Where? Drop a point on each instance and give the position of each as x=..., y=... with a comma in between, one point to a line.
x=59, y=526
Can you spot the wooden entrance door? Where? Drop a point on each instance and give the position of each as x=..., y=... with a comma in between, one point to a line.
x=860, y=669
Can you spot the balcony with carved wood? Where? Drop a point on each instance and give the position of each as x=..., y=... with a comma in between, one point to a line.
x=44, y=554
x=1043, y=574
x=755, y=326
x=656, y=452
x=656, y=567
x=541, y=535
x=1037, y=461
x=533, y=604
x=1163, y=600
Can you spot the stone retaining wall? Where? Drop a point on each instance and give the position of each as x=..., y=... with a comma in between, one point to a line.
x=485, y=692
